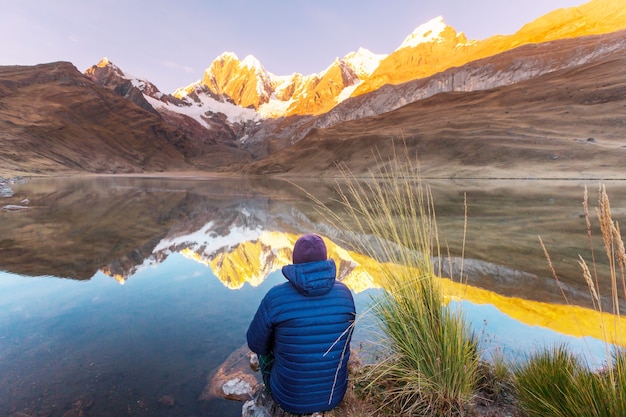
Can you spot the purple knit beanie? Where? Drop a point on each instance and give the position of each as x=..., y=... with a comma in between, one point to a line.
x=309, y=248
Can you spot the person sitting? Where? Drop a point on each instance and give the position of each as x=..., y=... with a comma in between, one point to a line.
x=302, y=330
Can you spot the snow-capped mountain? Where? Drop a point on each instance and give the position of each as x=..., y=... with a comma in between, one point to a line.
x=197, y=103
x=435, y=47
x=248, y=84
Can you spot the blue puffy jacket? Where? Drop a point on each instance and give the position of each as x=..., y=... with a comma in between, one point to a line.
x=307, y=324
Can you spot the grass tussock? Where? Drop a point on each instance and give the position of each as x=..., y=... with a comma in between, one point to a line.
x=430, y=362
x=555, y=383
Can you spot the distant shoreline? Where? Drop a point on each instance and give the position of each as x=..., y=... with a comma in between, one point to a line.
x=206, y=175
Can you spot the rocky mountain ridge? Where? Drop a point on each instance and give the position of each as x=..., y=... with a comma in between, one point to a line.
x=248, y=84
x=431, y=48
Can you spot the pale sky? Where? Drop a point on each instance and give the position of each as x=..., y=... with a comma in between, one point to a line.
x=172, y=42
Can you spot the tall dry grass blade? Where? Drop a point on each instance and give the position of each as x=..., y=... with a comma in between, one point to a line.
x=590, y=236
x=620, y=254
x=590, y=284
x=552, y=269
x=614, y=245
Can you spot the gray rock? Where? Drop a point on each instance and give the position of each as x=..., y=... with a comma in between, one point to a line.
x=5, y=190
x=262, y=405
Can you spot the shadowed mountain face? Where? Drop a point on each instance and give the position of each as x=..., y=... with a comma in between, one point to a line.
x=205, y=143
x=54, y=119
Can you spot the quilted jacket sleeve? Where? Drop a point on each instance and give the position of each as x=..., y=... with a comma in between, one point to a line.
x=261, y=332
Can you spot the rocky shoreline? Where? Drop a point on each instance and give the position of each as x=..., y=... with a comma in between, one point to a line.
x=6, y=191
x=5, y=188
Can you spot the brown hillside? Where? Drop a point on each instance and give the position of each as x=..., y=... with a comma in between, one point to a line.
x=569, y=123
x=53, y=119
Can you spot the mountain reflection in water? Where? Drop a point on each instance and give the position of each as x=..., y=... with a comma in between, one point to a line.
x=182, y=246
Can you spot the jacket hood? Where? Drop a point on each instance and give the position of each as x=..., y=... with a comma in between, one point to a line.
x=312, y=278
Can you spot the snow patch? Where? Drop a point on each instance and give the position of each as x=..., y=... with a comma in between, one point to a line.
x=198, y=111
x=346, y=93
x=428, y=32
x=274, y=108
x=206, y=238
x=253, y=63
x=364, y=62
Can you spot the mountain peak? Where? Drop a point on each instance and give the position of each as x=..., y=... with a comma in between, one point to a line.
x=364, y=61
x=252, y=62
x=431, y=31
x=104, y=62
x=227, y=56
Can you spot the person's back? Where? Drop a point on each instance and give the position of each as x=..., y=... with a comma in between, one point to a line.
x=306, y=325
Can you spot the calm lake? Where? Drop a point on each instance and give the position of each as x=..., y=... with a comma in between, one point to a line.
x=116, y=292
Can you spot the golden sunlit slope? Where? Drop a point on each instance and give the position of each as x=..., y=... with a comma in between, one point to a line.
x=240, y=81
x=452, y=50
x=320, y=93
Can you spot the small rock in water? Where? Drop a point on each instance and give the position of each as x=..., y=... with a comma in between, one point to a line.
x=5, y=190
x=261, y=405
x=167, y=401
x=14, y=207
x=233, y=380
x=79, y=407
x=254, y=361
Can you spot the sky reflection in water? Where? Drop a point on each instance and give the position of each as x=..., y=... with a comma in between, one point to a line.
x=176, y=317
